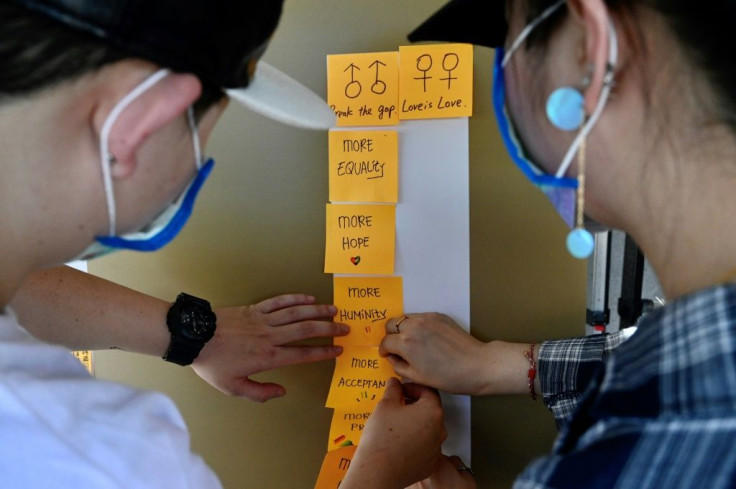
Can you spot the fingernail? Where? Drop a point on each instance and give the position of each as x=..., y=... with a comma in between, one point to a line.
x=345, y=328
x=332, y=310
x=338, y=350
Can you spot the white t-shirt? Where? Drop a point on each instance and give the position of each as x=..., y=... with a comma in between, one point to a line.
x=61, y=428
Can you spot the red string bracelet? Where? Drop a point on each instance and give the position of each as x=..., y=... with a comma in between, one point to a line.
x=532, y=371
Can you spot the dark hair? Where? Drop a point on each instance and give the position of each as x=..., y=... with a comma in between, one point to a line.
x=37, y=52
x=703, y=29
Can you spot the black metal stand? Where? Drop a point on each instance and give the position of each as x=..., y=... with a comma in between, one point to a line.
x=630, y=304
x=597, y=313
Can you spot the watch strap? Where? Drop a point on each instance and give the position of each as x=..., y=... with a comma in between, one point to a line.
x=182, y=352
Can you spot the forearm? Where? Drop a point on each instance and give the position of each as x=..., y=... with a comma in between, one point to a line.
x=505, y=368
x=367, y=474
x=83, y=312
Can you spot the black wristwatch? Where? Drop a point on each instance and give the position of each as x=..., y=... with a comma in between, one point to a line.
x=192, y=324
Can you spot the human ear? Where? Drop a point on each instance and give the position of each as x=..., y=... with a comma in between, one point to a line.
x=164, y=102
x=594, y=18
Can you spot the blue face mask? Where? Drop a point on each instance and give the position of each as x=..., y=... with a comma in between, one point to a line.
x=560, y=191
x=172, y=219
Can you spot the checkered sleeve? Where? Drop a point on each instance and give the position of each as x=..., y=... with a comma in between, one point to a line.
x=566, y=367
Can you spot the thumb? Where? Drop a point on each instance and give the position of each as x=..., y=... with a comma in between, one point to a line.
x=418, y=392
x=256, y=391
x=394, y=393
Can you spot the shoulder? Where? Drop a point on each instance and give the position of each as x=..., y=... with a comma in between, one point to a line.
x=60, y=427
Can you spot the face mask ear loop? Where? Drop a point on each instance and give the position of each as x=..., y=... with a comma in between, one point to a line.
x=528, y=30
x=605, y=92
x=105, y=154
x=195, y=138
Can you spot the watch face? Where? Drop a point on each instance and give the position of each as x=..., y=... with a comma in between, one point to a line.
x=196, y=322
x=192, y=323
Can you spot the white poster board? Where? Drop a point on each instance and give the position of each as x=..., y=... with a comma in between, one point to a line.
x=433, y=238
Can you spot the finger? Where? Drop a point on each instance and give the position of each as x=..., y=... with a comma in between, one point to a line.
x=421, y=392
x=401, y=366
x=394, y=392
x=281, y=301
x=285, y=356
x=456, y=461
x=308, y=329
x=391, y=344
x=256, y=391
x=446, y=465
x=394, y=325
x=296, y=313
x=465, y=471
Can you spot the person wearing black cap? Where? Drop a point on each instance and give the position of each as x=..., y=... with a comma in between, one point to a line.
x=105, y=108
x=621, y=112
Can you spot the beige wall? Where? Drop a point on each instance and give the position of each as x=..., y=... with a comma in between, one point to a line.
x=258, y=231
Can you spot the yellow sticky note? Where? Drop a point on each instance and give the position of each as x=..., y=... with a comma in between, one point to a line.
x=363, y=89
x=365, y=303
x=334, y=467
x=347, y=426
x=364, y=166
x=85, y=356
x=360, y=239
x=360, y=377
x=435, y=81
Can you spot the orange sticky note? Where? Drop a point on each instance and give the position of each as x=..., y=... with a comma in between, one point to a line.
x=360, y=377
x=347, y=426
x=365, y=304
x=334, y=467
x=435, y=81
x=364, y=166
x=363, y=89
x=360, y=239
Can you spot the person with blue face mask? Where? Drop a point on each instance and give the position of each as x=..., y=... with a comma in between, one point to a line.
x=622, y=112
x=98, y=307
x=105, y=111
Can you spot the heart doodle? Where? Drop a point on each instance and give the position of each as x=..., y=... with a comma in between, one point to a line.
x=354, y=260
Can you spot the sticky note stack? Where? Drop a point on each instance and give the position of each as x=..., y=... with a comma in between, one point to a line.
x=370, y=92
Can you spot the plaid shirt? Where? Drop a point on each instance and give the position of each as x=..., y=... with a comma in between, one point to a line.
x=566, y=367
x=661, y=413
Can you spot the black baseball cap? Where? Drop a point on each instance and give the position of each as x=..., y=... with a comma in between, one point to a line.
x=470, y=21
x=220, y=41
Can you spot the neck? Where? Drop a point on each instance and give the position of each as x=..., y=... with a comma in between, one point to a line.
x=16, y=257
x=684, y=224
x=42, y=174
x=665, y=167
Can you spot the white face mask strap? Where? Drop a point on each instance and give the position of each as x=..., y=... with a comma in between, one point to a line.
x=605, y=92
x=105, y=155
x=195, y=138
x=528, y=30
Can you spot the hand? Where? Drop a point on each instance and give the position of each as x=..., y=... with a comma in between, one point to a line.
x=449, y=473
x=402, y=439
x=432, y=349
x=253, y=339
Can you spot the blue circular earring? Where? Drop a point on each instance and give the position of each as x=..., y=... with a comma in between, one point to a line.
x=580, y=243
x=565, y=108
